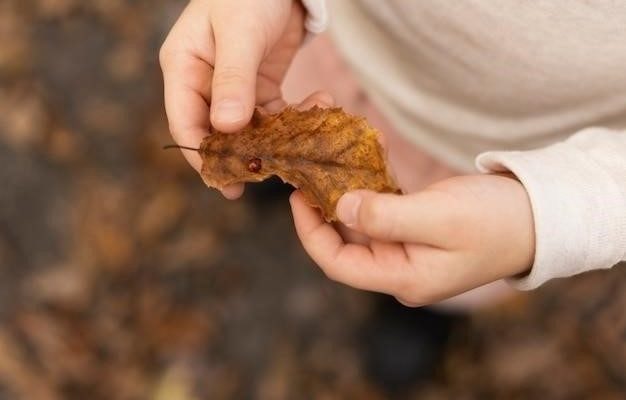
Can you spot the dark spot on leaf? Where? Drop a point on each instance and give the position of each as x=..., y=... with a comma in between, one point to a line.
x=254, y=165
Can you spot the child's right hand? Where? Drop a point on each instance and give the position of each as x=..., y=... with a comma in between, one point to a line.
x=221, y=59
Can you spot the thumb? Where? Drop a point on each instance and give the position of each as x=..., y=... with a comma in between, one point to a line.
x=383, y=216
x=238, y=53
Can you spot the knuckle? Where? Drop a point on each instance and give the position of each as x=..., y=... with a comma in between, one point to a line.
x=330, y=273
x=374, y=217
x=174, y=130
x=415, y=299
x=228, y=76
x=407, y=293
x=422, y=288
x=164, y=55
x=408, y=303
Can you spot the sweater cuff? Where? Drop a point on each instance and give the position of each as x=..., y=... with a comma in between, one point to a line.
x=317, y=16
x=579, y=209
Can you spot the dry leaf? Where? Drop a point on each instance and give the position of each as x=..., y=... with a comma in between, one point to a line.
x=323, y=152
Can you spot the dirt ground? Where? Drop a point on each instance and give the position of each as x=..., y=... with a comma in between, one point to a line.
x=122, y=276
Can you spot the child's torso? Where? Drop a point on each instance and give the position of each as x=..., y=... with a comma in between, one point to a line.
x=465, y=77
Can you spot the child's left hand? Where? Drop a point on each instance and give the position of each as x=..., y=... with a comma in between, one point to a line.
x=451, y=237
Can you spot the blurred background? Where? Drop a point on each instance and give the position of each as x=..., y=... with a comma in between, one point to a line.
x=122, y=276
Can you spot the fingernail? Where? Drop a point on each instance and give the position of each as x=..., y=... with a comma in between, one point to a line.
x=229, y=111
x=348, y=209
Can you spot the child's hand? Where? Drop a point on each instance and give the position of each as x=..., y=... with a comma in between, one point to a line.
x=453, y=236
x=220, y=59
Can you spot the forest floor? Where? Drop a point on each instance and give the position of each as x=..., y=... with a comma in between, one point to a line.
x=122, y=276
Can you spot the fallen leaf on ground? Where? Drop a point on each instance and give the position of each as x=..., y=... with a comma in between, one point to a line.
x=323, y=152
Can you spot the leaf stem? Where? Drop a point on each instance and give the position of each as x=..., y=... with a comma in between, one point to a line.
x=175, y=146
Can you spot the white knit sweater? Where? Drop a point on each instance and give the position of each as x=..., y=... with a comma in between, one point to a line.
x=508, y=86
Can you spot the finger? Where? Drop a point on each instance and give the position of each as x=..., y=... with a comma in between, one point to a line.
x=238, y=51
x=351, y=264
x=185, y=104
x=188, y=111
x=269, y=94
x=187, y=91
x=233, y=192
x=350, y=235
x=187, y=77
x=416, y=218
x=275, y=105
x=321, y=99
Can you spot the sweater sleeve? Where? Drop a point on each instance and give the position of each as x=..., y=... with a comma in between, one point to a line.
x=577, y=189
x=317, y=16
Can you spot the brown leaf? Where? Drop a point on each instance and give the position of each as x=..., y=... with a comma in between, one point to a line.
x=323, y=152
